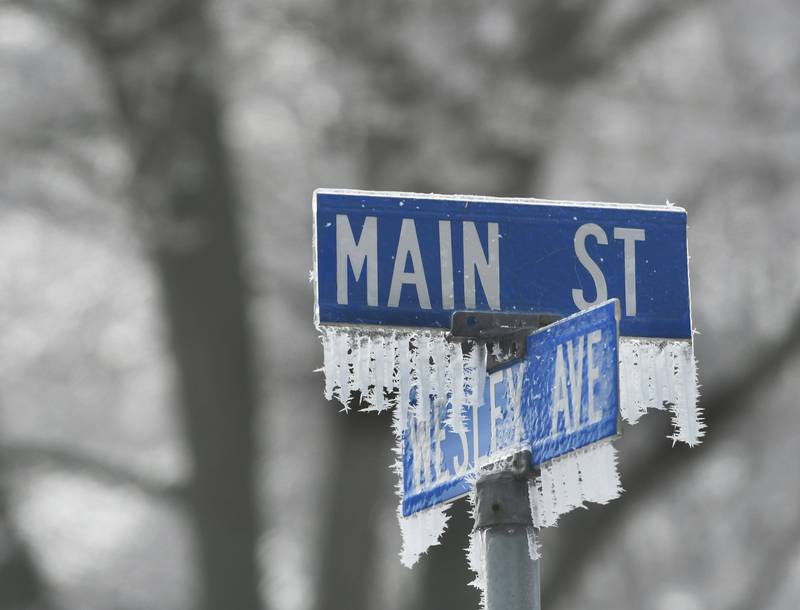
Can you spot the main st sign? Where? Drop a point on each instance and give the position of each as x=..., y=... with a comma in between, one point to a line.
x=401, y=260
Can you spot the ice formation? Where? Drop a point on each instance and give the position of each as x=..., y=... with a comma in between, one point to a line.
x=420, y=532
x=568, y=482
x=382, y=365
x=661, y=374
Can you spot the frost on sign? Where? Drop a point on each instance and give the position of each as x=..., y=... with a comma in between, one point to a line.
x=390, y=269
x=562, y=396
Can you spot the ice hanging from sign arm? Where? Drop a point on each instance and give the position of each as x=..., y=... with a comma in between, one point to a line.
x=438, y=369
x=661, y=374
x=476, y=554
x=423, y=529
x=402, y=364
x=375, y=362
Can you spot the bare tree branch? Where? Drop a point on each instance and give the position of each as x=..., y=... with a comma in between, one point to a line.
x=560, y=51
x=159, y=62
x=633, y=32
x=724, y=407
x=14, y=456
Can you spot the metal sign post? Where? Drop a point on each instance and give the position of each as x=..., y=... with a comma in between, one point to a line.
x=503, y=517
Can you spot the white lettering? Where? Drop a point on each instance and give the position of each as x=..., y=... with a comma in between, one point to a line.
x=595, y=414
x=475, y=448
x=460, y=466
x=575, y=362
x=446, y=264
x=348, y=250
x=408, y=245
x=560, y=399
x=629, y=238
x=487, y=268
x=601, y=291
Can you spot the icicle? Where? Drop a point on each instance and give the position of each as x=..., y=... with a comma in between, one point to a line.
x=377, y=359
x=599, y=475
x=423, y=371
x=469, y=379
x=440, y=370
x=421, y=531
x=476, y=558
x=353, y=368
x=568, y=483
x=659, y=379
x=687, y=417
x=457, y=373
x=632, y=401
x=329, y=362
x=480, y=371
x=659, y=374
x=341, y=352
x=393, y=385
x=476, y=551
x=448, y=368
x=398, y=425
x=535, y=499
x=586, y=475
x=475, y=372
x=548, y=505
x=363, y=377
x=404, y=368
x=533, y=544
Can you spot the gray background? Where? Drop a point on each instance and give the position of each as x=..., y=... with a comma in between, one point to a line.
x=153, y=357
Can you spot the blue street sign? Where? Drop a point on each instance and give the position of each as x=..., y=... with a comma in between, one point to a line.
x=411, y=260
x=562, y=396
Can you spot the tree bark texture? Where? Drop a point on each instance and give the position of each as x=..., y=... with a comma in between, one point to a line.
x=159, y=62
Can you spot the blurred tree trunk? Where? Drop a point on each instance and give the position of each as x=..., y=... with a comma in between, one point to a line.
x=361, y=443
x=21, y=585
x=159, y=61
x=360, y=483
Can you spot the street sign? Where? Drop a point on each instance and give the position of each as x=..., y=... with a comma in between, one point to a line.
x=564, y=395
x=397, y=259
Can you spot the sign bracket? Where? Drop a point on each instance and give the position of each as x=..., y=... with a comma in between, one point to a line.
x=506, y=332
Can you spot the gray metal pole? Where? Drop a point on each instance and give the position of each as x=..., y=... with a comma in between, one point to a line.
x=503, y=514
